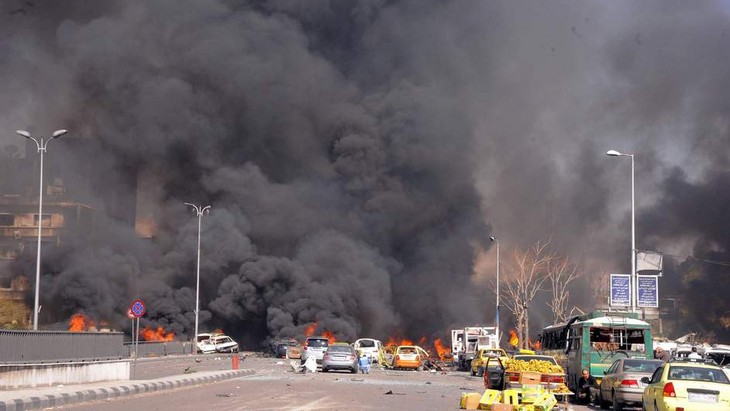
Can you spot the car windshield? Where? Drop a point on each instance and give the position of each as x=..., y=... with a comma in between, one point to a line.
x=407, y=350
x=647, y=366
x=339, y=348
x=223, y=340
x=317, y=342
x=536, y=357
x=685, y=372
x=366, y=343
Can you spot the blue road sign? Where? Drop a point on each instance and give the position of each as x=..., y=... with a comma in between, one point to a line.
x=620, y=290
x=138, y=308
x=648, y=291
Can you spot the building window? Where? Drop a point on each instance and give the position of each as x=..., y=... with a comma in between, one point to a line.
x=7, y=220
x=46, y=220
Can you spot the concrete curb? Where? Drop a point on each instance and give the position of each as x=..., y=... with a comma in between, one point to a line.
x=115, y=390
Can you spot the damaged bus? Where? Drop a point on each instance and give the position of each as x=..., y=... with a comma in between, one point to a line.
x=594, y=341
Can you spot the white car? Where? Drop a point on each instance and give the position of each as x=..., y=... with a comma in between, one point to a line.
x=217, y=343
x=371, y=348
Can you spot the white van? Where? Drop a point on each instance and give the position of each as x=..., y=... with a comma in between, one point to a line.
x=371, y=348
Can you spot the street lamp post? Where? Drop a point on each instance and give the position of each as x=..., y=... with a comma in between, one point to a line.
x=41, y=145
x=199, y=210
x=634, y=282
x=496, y=316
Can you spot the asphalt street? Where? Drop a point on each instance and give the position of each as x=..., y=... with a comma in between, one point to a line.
x=274, y=386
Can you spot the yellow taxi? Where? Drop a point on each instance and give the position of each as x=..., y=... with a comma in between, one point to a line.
x=409, y=357
x=477, y=364
x=688, y=385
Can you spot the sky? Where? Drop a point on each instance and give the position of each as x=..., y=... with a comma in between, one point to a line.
x=358, y=155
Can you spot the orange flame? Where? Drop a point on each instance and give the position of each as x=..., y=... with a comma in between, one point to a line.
x=80, y=322
x=513, y=340
x=535, y=345
x=422, y=341
x=392, y=342
x=440, y=349
x=310, y=330
x=330, y=337
x=148, y=334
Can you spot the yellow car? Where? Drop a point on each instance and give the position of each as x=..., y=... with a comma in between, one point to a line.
x=409, y=357
x=477, y=364
x=690, y=385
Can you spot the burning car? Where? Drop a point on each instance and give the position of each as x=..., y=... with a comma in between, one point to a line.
x=217, y=343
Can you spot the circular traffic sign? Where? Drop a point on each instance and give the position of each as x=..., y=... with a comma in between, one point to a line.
x=138, y=308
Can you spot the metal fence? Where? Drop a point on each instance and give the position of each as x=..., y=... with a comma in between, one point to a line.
x=59, y=346
x=158, y=348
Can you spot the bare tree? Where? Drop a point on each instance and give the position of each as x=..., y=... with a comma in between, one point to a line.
x=561, y=272
x=526, y=273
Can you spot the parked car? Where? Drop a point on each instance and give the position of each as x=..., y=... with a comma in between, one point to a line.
x=340, y=356
x=316, y=347
x=622, y=384
x=281, y=348
x=688, y=384
x=477, y=364
x=218, y=344
x=371, y=348
x=409, y=357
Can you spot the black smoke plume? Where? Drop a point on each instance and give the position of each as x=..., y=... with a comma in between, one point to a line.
x=357, y=154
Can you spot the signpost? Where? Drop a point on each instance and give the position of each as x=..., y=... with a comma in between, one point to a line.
x=620, y=290
x=648, y=291
x=136, y=310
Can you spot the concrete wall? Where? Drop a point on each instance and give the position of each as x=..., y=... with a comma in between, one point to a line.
x=43, y=375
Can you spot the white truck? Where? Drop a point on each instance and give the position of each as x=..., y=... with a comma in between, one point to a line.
x=465, y=348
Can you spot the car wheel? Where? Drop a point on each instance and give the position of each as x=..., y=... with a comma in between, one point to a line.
x=480, y=371
x=353, y=371
x=324, y=369
x=420, y=368
x=603, y=403
x=617, y=406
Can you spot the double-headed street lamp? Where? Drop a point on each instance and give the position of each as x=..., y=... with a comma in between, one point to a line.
x=41, y=144
x=199, y=210
x=634, y=282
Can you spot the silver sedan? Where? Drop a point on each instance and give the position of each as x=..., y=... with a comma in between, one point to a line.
x=340, y=357
x=622, y=383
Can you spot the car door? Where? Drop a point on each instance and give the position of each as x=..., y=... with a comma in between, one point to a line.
x=654, y=387
x=608, y=379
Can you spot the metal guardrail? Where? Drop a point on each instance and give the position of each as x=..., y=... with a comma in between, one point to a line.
x=158, y=348
x=59, y=346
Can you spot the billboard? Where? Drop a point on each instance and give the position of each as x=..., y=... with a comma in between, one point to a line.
x=620, y=290
x=648, y=291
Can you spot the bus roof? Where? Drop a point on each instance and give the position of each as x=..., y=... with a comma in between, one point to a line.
x=603, y=319
x=608, y=321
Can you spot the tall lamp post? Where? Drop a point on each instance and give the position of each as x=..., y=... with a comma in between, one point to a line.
x=634, y=282
x=199, y=210
x=41, y=145
x=496, y=317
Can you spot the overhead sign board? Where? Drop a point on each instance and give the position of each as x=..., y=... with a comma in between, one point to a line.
x=620, y=290
x=648, y=291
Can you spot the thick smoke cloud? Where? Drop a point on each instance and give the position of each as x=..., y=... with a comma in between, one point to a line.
x=357, y=154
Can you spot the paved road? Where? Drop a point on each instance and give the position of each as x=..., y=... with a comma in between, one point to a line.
x=275, y=387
